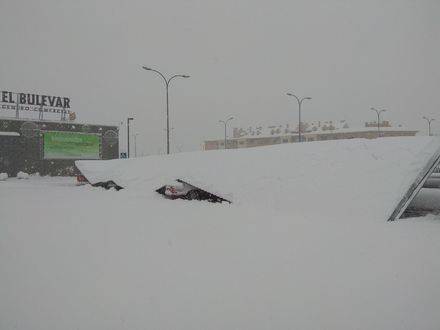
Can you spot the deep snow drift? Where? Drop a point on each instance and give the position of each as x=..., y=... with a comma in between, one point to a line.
x=334, y=178
x=87, y=258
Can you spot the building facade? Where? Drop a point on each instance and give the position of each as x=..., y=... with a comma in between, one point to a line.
x=51, y=147
x=317, y=131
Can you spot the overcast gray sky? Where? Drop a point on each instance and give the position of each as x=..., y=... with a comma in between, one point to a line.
x=243, y=56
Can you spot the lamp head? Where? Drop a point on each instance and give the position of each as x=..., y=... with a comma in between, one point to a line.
x=146, y=68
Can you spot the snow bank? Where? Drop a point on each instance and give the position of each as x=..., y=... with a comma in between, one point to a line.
x=22, y=175
x=3, y=176
x=335, y=179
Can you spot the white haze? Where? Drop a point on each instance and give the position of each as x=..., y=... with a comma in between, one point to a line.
x=243, y=56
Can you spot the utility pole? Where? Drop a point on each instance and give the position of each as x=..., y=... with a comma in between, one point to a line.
x=300, y=101
x=429, y=120
x=128, y=136
x=225, y=122
x=378, y=112
x=167, y=86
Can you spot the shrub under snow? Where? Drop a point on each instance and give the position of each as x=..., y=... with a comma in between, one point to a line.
x=22, y=175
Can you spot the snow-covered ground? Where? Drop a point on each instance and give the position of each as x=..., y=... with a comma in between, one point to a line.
x=77, y=257
x=86, y=258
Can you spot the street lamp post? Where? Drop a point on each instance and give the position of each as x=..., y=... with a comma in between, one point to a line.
x=300, y=101
x=135, y=144
x=167, y=85
x=429, y=120
x=225, y=122
x=171, y=135
x=378, y=112
x=128, y=136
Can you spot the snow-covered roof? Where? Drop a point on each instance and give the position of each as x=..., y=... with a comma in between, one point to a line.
x=318, y=127
x=64, y=122
x=9, y=134
x=334, y=179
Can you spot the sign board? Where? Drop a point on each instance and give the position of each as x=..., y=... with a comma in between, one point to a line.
x=34, y=102
x=70, y=145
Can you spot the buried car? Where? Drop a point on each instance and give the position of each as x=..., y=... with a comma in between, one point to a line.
x=82, y=180
x=184, y=190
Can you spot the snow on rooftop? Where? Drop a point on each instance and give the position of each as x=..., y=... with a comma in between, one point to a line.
x=332, y=179
x=9, y=134
x=59, y=121
x=316, y=127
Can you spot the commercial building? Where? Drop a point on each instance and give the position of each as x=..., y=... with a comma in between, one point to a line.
x=314, y=131
x=39, y=133
x=51, y=147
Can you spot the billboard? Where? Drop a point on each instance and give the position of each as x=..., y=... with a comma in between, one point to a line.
x=34, y=102
x=70, y=145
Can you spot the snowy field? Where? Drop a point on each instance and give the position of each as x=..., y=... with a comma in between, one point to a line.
x=77, y=257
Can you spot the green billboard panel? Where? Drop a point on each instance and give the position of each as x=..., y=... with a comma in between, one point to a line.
x=70, y=145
